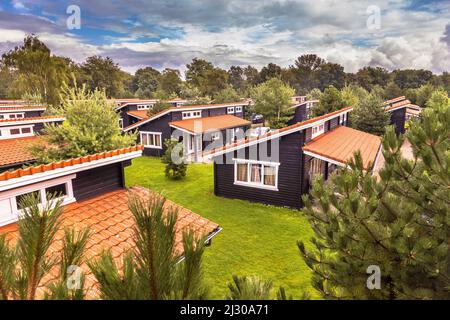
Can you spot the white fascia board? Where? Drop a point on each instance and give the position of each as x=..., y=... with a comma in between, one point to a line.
x=51, y=174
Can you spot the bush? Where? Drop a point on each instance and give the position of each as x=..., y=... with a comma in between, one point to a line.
x=174, y=159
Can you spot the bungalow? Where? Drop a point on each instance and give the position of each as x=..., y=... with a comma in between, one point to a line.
x=397, y=108
x=196, y=126
x=19, y=127
x=302, y=110
x=124, y=106
x=277, y=168
x=19, y=111
x=93, y=194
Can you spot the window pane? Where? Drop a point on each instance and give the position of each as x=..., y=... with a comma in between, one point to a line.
x=158, y=140
x=26, y=130
x=151, y=139
x=19, y=116
x=22, y=197
x=56, y=191
x=269, y=175
x=255, y=171
x=144, y=139
x=15, y=131
x=242, y=172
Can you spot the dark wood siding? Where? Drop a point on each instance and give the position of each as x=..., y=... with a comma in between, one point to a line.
x=289, y=175
x=398, y=118
x=158, y=125
x=94, y=182
x=299, y=115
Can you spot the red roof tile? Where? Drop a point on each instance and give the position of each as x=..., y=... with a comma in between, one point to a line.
x=200, y=125
x=140, y=114
x=14, y=151
x=20, y=107
x=66, y=163
x=341, y=143
x=243, y=142
x=33, y=119
x=111, y=224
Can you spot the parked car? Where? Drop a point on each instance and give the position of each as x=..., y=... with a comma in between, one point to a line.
x=257, y=118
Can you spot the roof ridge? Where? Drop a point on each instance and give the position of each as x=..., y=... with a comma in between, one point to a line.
x=67, y=163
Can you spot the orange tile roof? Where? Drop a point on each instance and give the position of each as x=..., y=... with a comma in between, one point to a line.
x=395, y=100
x=200, y=125
x=20, y=107
x=275, y=133
x=111, y=225
x=16, y=150
x=177, y=109
x=66, y=163
x=141, y=114
x=398, y=105
x=33, y=119
x=341, y=143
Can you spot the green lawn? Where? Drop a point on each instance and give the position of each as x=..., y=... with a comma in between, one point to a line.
x=256, y=239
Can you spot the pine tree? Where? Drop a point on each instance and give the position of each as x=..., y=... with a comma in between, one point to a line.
x=330, y=100
x=173, y=157
x=398, y=222
x=23, y=266
x=151, y=271
x=370, y=116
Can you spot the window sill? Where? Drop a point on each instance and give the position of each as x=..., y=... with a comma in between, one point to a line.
x=258, y=186
x=152, y=147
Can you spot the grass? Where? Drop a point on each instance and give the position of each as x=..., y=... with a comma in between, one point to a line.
x=256, y=239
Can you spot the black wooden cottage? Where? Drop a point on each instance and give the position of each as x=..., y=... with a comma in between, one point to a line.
x=196, y=126
x=279, y=167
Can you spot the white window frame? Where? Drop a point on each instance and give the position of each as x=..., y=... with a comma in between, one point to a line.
x=261, y=184
x=121, y=123
x=317, y=130
x=230, y=110
x=11, y=195
x=342, y=118
x=155, y=134
x=238, y=109
x=9, y=115
x=5, y=132
x=144, y=106
x=191, y=114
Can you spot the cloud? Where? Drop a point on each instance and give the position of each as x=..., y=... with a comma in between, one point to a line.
x=169, y=33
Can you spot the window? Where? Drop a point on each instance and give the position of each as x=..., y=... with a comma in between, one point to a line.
x=238, y=109
x=144, y=106
x=57, y=191
x=230, y=110
x=14, y=132
x=8, y=132
x=121, y=123
x=191, y=114
x=26, y=130
x=2, y=116
x=20, y=199
x=342, y=118
x=12, y=116
x=318, y=130
x=258, y=174
x=151, y=140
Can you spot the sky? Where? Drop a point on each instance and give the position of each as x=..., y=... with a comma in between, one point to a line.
x=395, y=34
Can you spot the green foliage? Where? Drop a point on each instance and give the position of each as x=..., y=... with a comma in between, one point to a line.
x=249, y=288
x=173, y=157
x=369, y=115
x=170, y=81
x=392, y=91
x=330, y=100
x=438, y=99
x=399, y=221
x=145, y=82
x=208, y=79
x=91, y=127
x=33, y=69
x=227, y=95
x=23, y=266
x=272, y=99
x=102, y=74
x=352, y=95
x=152, y=271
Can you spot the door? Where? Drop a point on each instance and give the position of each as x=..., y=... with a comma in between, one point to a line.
x=316, y=167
